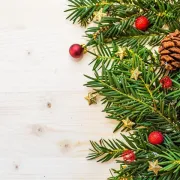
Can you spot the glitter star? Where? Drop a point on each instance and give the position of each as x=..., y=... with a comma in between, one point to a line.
x=121, y=53
x=127, y=123
x=98, y=15
x=154, y=166
x=91, y=98
x=135, y=73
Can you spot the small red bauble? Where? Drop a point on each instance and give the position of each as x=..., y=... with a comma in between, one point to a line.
x=128, y=155
x=166, y=82
x=76, y=50
x=142, y=23
x=155, y=138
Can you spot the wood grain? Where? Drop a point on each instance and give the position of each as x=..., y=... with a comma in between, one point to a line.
x=45, y=123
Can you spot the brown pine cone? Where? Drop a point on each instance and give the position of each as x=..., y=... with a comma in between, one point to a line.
x=170, y=51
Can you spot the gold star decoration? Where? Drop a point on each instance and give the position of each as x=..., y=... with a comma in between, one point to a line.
x=98, y=15
x=154, y=166
x=121, y=53
x=127, y=123
x=125, y=178
x=135, y=74
x=91, y=98
x=124, y=166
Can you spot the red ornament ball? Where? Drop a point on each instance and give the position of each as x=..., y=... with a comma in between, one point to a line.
x=156, y=138
x=76, y=50
x=128, y=155
x=142, y=23
x=166, y=82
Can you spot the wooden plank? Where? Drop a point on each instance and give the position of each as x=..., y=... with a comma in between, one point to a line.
x=45, y=123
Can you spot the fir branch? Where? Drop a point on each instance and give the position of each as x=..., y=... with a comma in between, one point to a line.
x=129, y=38
x=82, y=11
x=105, y=55
x=143, y=101
x=139, y=100
x=167, y=154
x=121, y=23
x=109, y=55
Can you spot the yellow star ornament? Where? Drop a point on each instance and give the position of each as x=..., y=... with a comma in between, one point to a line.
x=98, y=15
x=121, y=53
x=127, y=123
x=135, y=74
x=125, y=178
x=91, y=98
x=154, y=166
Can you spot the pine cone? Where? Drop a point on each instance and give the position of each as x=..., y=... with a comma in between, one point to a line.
x=170, y=51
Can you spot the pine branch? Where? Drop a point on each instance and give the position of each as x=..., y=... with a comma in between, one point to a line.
x=142, y=100
x=120, y=20
x=82, y=11
x=120, y=23
x=110, y=54
x=130, y=38
x=167, y=154
x=114, y=148
x=105, y=55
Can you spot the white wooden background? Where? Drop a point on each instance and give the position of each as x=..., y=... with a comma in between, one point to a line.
x=39, y=142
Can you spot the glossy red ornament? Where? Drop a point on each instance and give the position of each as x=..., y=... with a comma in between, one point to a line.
x=76, y=50
x=128, y=155
x=156, y=138
x=142, y=23
x=166, y=82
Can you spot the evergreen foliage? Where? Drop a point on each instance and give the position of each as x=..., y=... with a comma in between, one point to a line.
x=119, y=49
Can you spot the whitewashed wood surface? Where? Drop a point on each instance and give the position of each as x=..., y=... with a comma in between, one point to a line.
x=45, y=123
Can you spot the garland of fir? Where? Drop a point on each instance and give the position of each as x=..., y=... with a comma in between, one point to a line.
x=139, y=85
